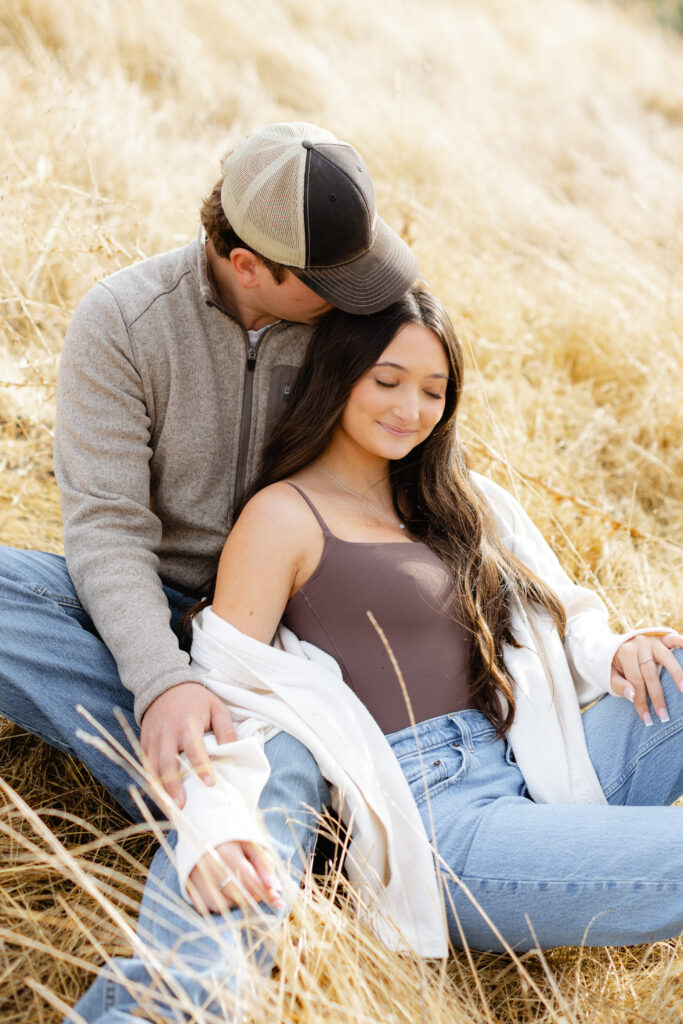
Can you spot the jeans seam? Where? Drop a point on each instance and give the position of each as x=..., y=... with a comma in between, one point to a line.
x=65, y=599
x=415, y=751
x=637, y=883
x=109, y=998
x=662, y=734
x=50, y=740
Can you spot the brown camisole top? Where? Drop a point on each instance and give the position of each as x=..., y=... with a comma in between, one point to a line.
x=409, y=590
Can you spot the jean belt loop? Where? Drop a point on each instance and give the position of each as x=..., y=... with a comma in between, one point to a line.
x=467, y=740
x=462, y=729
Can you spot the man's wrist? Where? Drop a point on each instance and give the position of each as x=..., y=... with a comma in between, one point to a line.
x=160, y=685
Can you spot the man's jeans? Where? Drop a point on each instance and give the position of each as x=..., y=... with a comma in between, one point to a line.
x=51, y=660
x=188, y=960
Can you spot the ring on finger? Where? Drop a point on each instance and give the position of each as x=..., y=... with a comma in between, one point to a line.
x=228, y=880
x=645, y=661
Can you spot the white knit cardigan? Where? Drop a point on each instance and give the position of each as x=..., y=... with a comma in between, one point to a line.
x=294, y=686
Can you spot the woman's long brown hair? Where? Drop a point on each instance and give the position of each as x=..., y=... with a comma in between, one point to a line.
x=432, y=491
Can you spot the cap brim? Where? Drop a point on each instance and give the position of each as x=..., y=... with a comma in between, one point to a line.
x=369, y=283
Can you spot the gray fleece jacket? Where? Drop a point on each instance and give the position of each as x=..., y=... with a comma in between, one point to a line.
x=162, y=410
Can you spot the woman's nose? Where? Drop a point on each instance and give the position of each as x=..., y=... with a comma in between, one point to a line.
x=407, y=407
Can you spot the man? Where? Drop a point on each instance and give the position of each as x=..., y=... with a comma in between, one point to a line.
x=171, y=373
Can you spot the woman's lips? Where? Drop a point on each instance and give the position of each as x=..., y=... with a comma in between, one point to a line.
x=396, y=431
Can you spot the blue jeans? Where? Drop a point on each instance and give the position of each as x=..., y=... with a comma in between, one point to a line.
x=543, y=875
x=211, y=958
x=595, y=874
x=599, y=875
x=51, y=659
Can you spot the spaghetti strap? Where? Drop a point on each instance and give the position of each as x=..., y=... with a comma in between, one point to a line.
x=323, y=524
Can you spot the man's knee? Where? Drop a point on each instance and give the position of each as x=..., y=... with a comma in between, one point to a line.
x=37, y=570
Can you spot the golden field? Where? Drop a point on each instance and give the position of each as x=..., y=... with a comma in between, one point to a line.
x=531, y=154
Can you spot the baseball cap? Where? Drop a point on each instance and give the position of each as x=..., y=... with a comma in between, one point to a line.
x=299, y=196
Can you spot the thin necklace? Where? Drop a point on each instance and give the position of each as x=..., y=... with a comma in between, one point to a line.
x=367, y=501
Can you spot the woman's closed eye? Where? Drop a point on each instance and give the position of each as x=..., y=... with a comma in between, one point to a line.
x=394, y=384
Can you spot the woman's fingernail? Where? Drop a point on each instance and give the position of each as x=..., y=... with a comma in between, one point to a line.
x=663, y=714
x=629, y=693
x=207, y=779
x=178, y=801
x=274, y=884
x=680, y=685
x=647, y=718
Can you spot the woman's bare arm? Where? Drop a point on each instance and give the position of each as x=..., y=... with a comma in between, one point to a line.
x=268, y=554
x=262, y=562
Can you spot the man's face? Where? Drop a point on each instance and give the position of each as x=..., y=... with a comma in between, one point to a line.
x=292, y=299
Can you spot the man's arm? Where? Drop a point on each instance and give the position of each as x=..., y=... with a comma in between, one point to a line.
x=102, y=456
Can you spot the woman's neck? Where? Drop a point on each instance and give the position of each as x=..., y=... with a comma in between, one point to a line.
x=356, y=468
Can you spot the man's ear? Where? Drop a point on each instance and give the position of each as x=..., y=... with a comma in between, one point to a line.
x=246, y=266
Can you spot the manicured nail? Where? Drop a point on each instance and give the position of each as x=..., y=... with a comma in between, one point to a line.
x=273, y=884
x=680, y=685
x=178, y=801
x=647, y=718
x=629, y=693
x=663, y=714
x=207, y=779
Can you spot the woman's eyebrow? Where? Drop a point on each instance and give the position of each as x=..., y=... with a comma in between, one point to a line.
x=397, y=366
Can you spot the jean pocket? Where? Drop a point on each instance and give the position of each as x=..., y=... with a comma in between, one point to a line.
x=429, y=773
x=512, y=761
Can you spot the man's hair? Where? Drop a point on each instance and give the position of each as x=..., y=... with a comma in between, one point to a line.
x=224, y=239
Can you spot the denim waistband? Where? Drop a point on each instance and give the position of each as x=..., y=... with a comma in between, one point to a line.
x=466, y=727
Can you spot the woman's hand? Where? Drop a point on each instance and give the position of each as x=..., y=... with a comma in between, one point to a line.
x=635, y=672
x=241, y=874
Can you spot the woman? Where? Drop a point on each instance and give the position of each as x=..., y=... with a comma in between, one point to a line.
x=547, y=826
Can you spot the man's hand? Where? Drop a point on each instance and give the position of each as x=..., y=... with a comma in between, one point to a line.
x=234, y=875
x=175, y=723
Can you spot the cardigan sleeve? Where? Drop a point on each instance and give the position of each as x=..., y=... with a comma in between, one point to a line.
x=589, y=643
x=228, y=810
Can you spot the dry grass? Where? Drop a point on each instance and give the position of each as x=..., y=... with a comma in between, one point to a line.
x=531, y=154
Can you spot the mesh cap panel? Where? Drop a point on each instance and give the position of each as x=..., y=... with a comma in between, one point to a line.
x=298, y=196
x=263, y=190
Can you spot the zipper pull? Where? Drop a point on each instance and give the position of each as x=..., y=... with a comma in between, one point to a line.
x=251, y=357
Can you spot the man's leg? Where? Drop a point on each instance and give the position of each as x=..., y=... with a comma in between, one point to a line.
x=51, y=660
x=187, y=960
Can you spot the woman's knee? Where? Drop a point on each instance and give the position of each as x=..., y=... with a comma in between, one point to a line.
x=295, y=772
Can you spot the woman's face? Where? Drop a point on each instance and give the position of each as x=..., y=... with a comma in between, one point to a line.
x=397, y=403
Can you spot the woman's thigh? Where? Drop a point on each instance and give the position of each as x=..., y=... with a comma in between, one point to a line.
x=637, y=764
x=556, y=874
x=521, y=874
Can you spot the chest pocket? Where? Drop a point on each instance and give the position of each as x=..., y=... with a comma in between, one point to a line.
x=281, y=383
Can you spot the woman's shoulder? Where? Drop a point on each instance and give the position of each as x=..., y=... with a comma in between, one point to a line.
x=282, y=504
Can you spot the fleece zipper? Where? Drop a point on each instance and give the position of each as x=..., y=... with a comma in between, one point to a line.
x=247, y=404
